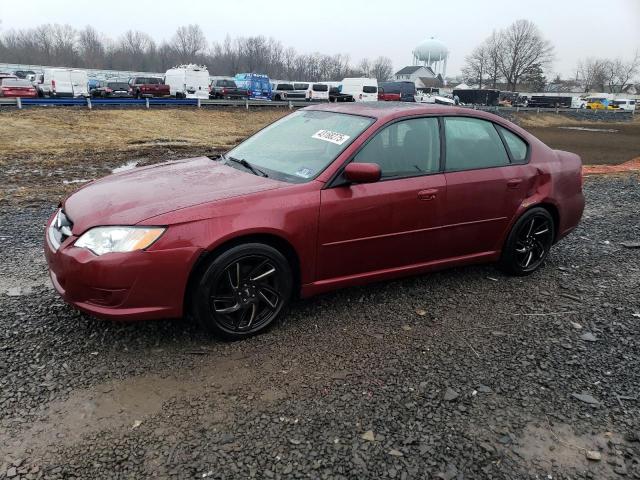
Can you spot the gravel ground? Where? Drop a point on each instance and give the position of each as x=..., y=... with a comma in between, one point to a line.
x=456, y=375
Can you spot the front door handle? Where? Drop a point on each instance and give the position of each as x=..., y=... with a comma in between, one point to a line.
x=514, y=183
x=429, y=194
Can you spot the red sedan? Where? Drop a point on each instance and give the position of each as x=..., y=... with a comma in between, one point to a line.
x=327, y=197
x=15, y=87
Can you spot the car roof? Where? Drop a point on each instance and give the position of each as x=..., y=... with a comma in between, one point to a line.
x=388, y=110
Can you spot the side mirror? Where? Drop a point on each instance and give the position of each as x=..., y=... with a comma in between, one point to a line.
x=362, y=172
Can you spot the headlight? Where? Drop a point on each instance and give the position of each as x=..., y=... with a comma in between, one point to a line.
x=102, y=240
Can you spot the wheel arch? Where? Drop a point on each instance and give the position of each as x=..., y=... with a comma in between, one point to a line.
x=555, y=214
x=547, y=205
x=276, y=241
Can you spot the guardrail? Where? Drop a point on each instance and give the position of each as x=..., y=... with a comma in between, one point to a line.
x=200, y=103
x=146, y=102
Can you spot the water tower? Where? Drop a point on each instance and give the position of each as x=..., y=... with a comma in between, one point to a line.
x=432, y=53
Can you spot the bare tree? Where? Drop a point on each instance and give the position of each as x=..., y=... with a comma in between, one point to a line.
x=521, y=47
x=91, y=47
x=189, y=42
x=365, y=67
x=135, y=50
x=494, y=52
x=43, y=40
x=618, y=73
x=476, y=65
x=64, y=43
x=483, y=64
x=289, y=62
x=593, y=73
x=132, y=51
x=382, y=69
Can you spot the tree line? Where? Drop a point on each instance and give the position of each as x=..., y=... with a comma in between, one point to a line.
x=518, y=55
x=63, y=45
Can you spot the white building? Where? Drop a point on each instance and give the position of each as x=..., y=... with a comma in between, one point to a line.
x=423, y=77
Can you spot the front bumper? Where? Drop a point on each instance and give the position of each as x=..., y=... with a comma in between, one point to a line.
x=140, y=285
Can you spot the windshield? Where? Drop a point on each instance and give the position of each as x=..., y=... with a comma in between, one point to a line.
x=301, y=145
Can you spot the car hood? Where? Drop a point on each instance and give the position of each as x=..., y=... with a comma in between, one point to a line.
x=130, y=197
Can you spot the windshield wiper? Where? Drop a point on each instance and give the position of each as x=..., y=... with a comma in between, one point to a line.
x=247, y=165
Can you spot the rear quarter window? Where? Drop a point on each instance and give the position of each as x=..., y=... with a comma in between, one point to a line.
x=516, y=145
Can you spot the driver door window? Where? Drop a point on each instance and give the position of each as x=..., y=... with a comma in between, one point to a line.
x=404, y=149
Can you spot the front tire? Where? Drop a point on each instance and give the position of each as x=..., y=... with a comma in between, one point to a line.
x=243, y=291
x=528, y=243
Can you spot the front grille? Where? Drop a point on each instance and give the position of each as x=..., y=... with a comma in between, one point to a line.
x=60, y=229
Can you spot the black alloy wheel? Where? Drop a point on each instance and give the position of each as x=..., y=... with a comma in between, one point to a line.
x=529, y=242
x=243, y=291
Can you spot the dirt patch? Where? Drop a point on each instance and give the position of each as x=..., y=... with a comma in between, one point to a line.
x=548, y=447
x=596, y=142
x=630, y=166
x=127, y=404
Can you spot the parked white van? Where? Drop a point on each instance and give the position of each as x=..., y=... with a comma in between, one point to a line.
x=362, y=89
x=578, y=102
x=188, y=81
x=318, y=92
x=63, y=82
x=628, y=104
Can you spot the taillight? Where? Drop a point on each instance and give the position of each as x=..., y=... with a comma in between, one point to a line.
x=53, y=85
x=224, y=91
x=360, y=96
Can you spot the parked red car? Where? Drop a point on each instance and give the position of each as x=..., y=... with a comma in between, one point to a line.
x=330, y=196
x=388, y=96
x=16, y=87
x=144, y=87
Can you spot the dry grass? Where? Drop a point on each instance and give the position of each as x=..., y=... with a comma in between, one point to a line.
x=63, y=132
x=46, y=154
x=526, y=120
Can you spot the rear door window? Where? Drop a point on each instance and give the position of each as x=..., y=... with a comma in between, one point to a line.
x=471, y=144
x=369, y=89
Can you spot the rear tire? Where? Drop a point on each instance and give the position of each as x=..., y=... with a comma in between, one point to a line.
x=243, y=291
x=528, y=243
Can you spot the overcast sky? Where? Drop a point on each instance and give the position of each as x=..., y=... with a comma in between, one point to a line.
x=359, y=28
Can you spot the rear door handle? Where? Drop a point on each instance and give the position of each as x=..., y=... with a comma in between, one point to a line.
x=514, y=183
x=429, y=194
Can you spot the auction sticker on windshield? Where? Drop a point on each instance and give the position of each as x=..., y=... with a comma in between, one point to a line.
x=329, y=136
x=305, y=172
